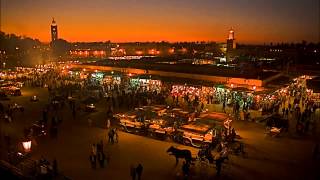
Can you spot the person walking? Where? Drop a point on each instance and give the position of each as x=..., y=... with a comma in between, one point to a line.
x=139, y=170
x=94, y=149
x=185, y=169
x=111, y=134
x=101, y=158
x=108, y=123
x=133, y=172
x=218, y=166
x=93, y=160
x=115, y=134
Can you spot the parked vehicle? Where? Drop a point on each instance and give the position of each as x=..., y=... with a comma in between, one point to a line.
x=195, y=134
x=176, y=124
x=161, y=128
x=131, y=124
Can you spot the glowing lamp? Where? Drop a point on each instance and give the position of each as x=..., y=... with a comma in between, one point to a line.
x=139, y=52
x=232, y=85
x=254, y=88
x=26, y=146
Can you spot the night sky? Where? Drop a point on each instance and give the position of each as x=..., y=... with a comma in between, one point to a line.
x=254, y=21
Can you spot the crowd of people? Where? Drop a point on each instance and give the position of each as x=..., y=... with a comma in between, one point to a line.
x=66, y=90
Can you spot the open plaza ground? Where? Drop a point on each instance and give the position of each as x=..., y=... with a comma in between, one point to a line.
x=285, y=157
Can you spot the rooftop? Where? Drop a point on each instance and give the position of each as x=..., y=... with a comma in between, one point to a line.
x=212, y=70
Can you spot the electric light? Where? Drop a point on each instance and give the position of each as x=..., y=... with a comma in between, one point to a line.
x=26, y=146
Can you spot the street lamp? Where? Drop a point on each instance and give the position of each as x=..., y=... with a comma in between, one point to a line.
x=26, y=146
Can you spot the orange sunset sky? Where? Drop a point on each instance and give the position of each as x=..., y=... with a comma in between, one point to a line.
x=256, y=21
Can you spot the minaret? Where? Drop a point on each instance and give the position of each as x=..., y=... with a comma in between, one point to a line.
x=231, y=34
x=230, y=44
x=231, y=40
x=54, y=31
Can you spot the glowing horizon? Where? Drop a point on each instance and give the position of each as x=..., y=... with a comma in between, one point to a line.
x=170, y=21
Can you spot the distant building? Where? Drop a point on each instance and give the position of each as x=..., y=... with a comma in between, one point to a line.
x=54, y=31
x=84, y=53
x=231, y=45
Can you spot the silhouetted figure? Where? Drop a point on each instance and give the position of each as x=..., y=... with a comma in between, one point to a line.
x=139, y=170
x=185, y=169
x=93, y=160
x=218, y=166
x=115, y=135
x=101, y=159
x=111, y=134
x=133, y=172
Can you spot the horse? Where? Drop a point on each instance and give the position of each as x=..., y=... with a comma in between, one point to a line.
x=180, y=154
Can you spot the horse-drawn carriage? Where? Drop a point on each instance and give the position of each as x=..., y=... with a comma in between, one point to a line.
x=208, y=156
x=162, y=127
x=194, y=134
x=129, y=123
x=203, y=130
x=204, y=155
x=140, y=119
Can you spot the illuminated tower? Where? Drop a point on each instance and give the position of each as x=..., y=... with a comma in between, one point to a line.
x=54, y=31
x=231, y=45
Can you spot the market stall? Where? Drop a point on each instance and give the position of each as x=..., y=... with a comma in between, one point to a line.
x=146, y=83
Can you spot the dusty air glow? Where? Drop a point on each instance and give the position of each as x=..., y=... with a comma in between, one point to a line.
x=174, y=20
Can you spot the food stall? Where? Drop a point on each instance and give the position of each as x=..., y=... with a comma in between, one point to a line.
x=146, y=82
